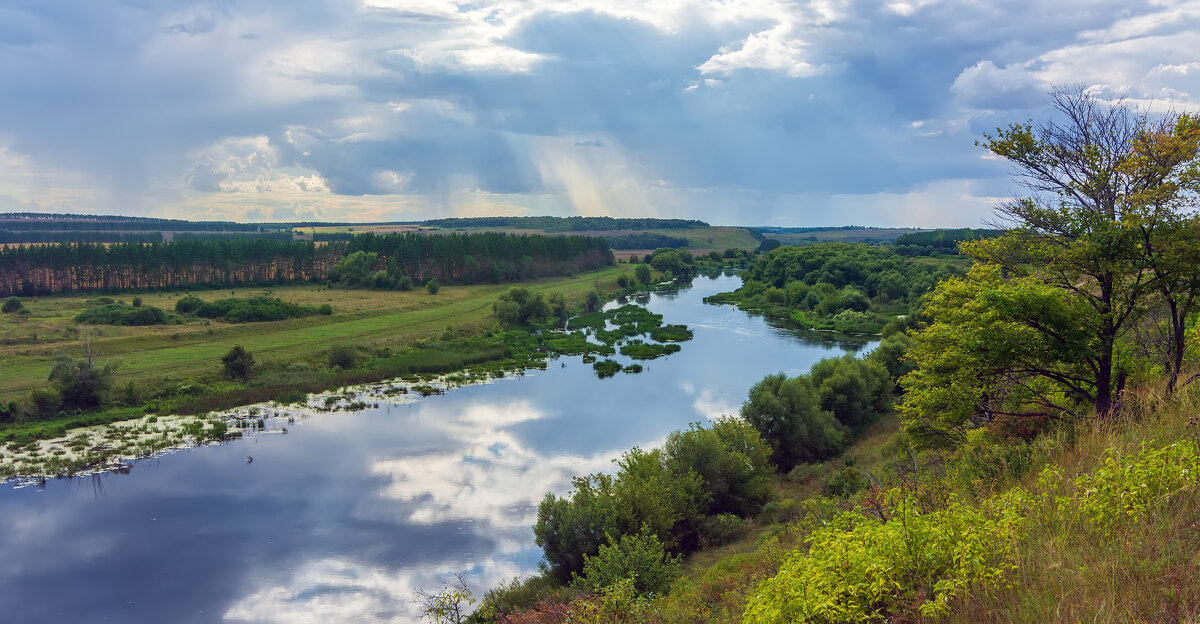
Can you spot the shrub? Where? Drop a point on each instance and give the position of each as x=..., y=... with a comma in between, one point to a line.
x=82, y=382
x=343, y=356
x=188, y=304
x=845, y=482
x=721, y=529
x=238, y=363
x=639, y=558
x=137, y=302
x=121, y=314
x=606, y=368
x=432, y=286
x=859, y=568
x=45, y=401
x=592, y=301
x=11, y=305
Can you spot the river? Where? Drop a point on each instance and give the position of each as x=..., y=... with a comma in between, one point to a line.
x=348, y=515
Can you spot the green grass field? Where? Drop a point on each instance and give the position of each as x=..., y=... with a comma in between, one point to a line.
x=361, y=317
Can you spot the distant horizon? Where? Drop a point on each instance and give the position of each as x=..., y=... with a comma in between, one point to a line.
x=420, y=221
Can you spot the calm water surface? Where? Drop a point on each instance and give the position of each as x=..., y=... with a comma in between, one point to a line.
x=346, y=516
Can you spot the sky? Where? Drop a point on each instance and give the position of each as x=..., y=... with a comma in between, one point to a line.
x=736, y=112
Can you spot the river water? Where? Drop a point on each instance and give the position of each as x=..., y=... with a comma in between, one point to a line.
x=348, y=515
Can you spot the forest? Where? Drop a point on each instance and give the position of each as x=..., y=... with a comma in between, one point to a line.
x=453, y=258
x=845, y=287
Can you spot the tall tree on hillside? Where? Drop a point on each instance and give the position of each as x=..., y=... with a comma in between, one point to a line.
x=1102, y=237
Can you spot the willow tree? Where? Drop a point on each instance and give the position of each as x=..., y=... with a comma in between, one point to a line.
x=1102, y=239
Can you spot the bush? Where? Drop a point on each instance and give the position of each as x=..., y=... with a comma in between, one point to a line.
x=45, y=401
x=639, y=558
x=343, y=356
x=121, y=314
x=845, y=482
x=82, y=382
x=188, y=304
x=721, y=529
x=11, y=305
x=859, y=568
x=137, y=302
x=432, y=286
x=260, y=308
x=238, y=363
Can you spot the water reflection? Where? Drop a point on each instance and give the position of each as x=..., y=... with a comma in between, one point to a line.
x=344, y=518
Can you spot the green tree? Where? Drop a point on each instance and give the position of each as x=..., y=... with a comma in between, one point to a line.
x=787, y=414
x=82, y=382
x=12, y=304
x=855, y=391
x=432, y=286
x=642, y=273
x=1106, y=183
x=639, y=558
x=732, y=461
x=238, y=362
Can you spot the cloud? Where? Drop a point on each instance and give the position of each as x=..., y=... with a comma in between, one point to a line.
x=427, y=107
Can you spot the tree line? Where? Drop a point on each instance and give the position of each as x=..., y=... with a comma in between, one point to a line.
x=455, y=258
x=566, y=224
x=938, y=241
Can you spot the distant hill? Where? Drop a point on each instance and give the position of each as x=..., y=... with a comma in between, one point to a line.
x=839, y=234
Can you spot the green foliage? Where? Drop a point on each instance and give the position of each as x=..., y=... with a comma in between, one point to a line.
x=45, y=401
x=843, y=287
x=788, y=415
x=892, y=355
x=642, y=273
x=591, y=301
x=11, y=305
x=253, y=309
x=637, y=558
x=355, y=269
x=188, y=304
x=732, y=461
x=121, y=314
x=845, y=482
x=671, y=333
x=606, y=368
x=666, y=492
x=860, y=568
x=646, y=351
x=237, y=362
x=997, y=347
x=520, y=307
x=1131, y=487
x=451, y=605
x=576, y=343
x=432, y=286
x=81, y=381
x=342, y=356
x=854, y=390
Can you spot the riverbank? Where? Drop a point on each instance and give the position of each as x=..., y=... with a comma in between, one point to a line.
x=109, y=447
x=177, y=369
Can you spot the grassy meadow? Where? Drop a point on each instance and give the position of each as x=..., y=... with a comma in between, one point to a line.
x=362, y=318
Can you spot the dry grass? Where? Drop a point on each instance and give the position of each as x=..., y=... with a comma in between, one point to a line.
x=1143, y=571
